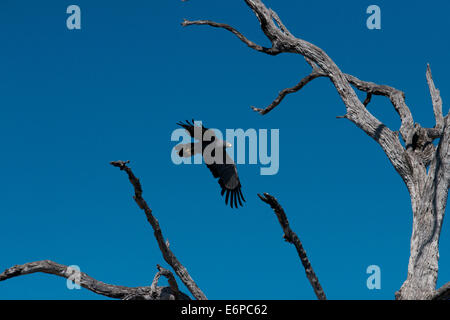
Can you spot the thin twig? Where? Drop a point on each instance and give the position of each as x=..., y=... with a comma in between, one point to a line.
x=313, y=75
x=251, y=44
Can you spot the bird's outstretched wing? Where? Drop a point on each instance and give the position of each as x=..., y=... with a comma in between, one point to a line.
x=228, y=180
x=225, y=169
x=190, y=128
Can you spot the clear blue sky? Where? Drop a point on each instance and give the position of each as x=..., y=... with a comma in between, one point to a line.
x=72, y=101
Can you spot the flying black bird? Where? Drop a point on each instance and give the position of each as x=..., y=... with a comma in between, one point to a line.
x=220, y=164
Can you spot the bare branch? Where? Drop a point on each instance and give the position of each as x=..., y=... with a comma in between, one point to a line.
x=436, y=100
x=170, y=277
x=279, y=22
x=368, y=99
x=168, y=255
x=396, y=97
x=251, y=44
x=87, y=282
x=292, y=238
x=443, y=293
x=313, y=75
x=266, y=17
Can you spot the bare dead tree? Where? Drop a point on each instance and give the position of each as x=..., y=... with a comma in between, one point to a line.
x=152, y=292
x=424, y=168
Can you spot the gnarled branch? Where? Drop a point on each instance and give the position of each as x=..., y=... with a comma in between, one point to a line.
x=251, y=44
x=313, y=75
x=168, y=255
x=170, y=277
x=153, y=292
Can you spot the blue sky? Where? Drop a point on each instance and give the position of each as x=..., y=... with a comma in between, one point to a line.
x=72, y=101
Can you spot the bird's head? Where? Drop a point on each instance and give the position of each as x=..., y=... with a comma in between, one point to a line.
x=222, y=144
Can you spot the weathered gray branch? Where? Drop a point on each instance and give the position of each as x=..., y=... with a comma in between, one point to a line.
x=368, y=99
x=436, y=100
x=291, y=237
x=168, y=255
x=396, y=97
x=153, y=292
x=170, y=277
x=313, y=75
x=251, y=44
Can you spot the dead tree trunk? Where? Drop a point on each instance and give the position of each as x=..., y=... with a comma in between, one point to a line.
x=428, y=198
x=424, y=168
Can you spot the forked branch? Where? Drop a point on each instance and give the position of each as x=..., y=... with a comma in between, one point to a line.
x=168, y=255
x=153, y=292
